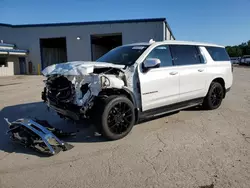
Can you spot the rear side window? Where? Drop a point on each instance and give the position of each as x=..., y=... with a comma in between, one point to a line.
x=218, y=54
x=186, y=55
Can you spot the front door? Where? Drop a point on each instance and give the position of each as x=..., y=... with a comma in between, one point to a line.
x=22, y=65
x=159, y=86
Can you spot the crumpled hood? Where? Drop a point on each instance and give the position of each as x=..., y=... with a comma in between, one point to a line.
x=76, y=68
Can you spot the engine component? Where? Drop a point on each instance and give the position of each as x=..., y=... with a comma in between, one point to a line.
x=60, y=89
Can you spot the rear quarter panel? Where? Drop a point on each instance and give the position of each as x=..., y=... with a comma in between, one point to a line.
x=217, y=69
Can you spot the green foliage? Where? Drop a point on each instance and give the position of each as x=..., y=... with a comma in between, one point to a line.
x=240, y=50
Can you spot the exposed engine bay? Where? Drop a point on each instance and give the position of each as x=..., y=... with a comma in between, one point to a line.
x=71, y=89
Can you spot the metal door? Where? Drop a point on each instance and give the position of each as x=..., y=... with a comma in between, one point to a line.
x=22, y=65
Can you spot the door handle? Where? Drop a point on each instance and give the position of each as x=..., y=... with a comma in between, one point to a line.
x=200, y=70
x=173, y=73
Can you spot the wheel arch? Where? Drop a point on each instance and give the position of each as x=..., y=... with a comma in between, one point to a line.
x=124, y=91
x=221, y=81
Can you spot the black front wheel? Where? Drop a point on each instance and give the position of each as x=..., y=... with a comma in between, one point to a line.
x=117, y=117
x=214, y=96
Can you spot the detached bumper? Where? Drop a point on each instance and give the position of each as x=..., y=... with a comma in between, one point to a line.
x=38, y=135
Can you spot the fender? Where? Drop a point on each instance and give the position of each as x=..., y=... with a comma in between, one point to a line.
x=131, y=96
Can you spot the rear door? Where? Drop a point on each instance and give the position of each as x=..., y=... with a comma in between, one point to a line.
x=159, y=86
x=192, y=71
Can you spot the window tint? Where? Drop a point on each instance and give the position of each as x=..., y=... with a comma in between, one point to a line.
x=218, y=54
x=162, y=53
x=186, y=55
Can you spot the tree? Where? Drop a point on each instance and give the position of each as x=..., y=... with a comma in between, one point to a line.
x=248, y=48
x=239, y=50
x=234, y=51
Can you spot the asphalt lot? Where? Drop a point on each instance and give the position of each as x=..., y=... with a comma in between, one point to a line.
x=192, y=148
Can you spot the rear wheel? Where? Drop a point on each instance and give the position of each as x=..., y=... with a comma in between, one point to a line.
x=214, y=96
x=117, y=117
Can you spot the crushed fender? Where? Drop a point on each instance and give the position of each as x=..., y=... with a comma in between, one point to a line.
x=38, y=135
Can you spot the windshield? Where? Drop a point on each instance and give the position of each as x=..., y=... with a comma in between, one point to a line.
x=123, y=55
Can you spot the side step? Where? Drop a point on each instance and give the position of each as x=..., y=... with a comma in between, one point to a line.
x=171, y=108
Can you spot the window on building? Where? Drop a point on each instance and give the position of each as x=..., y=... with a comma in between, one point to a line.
x=186, y=55
x=3, y=62
x=218, y=54
x=162, y=53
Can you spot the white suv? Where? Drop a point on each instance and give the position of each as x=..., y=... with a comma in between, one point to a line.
x=139, y=80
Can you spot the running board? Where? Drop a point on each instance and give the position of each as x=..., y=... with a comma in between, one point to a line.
x=171, y=108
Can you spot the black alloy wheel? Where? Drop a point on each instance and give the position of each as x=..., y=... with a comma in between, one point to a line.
x=214, y=96
x=117, y=117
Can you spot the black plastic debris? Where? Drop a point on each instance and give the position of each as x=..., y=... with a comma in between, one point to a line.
x=38, y=135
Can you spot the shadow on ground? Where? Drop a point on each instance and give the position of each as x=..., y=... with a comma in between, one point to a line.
x=241, y=66
x=195, y=108
x=86, y=133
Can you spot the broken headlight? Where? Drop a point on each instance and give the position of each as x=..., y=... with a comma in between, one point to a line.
x=105, y=82
x=60, y=89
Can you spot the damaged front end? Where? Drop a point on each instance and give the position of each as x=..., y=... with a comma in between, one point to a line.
x=71, y=88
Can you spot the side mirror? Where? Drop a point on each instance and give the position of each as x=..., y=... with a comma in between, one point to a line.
x=151, y=63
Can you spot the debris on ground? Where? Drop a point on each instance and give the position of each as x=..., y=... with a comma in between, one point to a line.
x=38, y=135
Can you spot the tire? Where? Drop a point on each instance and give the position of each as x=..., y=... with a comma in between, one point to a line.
x=214, y=96
x=116, y=117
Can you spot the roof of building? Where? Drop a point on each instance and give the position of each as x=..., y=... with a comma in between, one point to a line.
x=6, y=45
x=88, y=23
x=13, y=52
x=11, y=49
x=92, y=23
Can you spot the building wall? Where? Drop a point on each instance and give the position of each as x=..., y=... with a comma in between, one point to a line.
x=10, y=69
x=168, y=34
x=98, y=51
x=29, y=37
x=15, y=61
x=7, y=71
x=5, y=33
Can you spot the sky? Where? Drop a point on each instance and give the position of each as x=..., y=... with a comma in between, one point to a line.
x=225, y=22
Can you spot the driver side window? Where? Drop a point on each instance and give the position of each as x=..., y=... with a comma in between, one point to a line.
x=162, y=53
